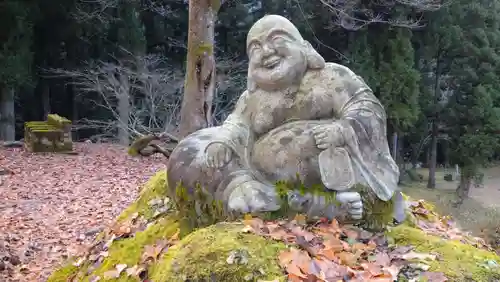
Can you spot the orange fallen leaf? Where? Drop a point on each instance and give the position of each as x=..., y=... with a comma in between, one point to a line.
x=328, y=253
x=346, y=258
x=175, y=237
x=360, y=247
x=301, y=219
x=334, y=244
x=334, y=226
x=247, y=219
x=152, y=252
x=294, y=271
x=351, y=234
x=284, y=258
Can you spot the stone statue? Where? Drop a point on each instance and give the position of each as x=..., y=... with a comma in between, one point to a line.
x=299, y=116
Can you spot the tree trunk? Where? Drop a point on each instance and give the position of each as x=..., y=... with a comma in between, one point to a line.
x=7, y=115
x=46, y=100
x=435, y=123
x=395, y=146
x=431, y=183
x=75, y=115
x=464, y=185
x=199, y=86
x=123, y=112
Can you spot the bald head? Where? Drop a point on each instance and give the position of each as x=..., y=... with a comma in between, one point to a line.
x=270, y=23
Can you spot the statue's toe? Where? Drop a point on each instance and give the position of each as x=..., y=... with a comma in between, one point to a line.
x=356, y=213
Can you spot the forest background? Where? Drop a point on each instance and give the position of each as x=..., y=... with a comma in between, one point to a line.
x=119, y=69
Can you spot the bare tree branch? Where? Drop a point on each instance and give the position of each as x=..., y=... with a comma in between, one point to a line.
x=152, y=89
x=351, y=15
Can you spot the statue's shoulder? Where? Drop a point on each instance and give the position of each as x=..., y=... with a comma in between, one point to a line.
x=337, y=70
x=329, y=76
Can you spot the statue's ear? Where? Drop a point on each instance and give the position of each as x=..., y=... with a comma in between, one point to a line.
x=251, y=85
x=314, y=59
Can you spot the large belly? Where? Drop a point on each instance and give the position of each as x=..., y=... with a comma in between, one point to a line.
x=288, y=151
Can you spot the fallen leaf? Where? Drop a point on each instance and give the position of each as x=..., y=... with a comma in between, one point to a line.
x=175, y=237
x=59, y=197
x=294, y=272
x=301, y=219
x=79, y=262
x=152, y=252
x=434, y=276
x=285, y=258
x=346, y=258
x=382, y=259
x=418, y=256
x=135, y=271
x=334, y=244
x=239, y=256
x=121, y=267
x=247, y=219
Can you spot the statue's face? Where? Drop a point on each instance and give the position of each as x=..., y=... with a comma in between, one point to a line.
x=276, y=58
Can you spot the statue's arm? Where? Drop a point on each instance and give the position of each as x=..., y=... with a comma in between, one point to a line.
x=363, y=120
x=359, y=110
x=237, y=124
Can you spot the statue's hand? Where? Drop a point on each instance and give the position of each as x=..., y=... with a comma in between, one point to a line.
x=328, y=135
x=217, y=155
x=353, y=202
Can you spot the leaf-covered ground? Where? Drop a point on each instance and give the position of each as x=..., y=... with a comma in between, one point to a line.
x=147, y=244
x=51, y=205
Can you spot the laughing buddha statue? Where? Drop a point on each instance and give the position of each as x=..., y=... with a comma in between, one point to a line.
x=299, y=116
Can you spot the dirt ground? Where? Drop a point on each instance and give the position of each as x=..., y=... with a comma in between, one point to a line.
x=480, y=211
x=52, y=205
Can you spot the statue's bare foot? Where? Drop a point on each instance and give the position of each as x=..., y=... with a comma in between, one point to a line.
x=253, y=196
x=353, y=202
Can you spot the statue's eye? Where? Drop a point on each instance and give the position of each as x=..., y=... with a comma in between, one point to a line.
x=253, y=48
x=278, y=40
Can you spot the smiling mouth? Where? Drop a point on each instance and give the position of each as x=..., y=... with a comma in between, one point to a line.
x=271, y=62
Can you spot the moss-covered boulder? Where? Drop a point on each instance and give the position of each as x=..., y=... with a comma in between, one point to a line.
x=151, y=241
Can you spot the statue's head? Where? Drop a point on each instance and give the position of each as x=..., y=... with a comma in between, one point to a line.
x=278, y=55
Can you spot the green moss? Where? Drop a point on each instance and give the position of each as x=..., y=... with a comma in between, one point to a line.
x=198, y=208
x=58, y=121
x=132, y=152
x=205, y=48
x=129, y=251
x=36, y=123
x=202, y=256
x=153, y=189
x=459, y=261
x=215, y=5
x=63, y=273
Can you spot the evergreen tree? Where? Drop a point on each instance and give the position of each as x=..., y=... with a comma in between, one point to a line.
x=473, y=114
x=16, y=57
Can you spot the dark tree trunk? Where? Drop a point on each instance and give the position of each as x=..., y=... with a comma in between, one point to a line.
x=431, y=183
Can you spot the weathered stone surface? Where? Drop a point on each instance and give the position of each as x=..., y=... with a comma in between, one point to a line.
x=300, y=120
x=52, y=135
